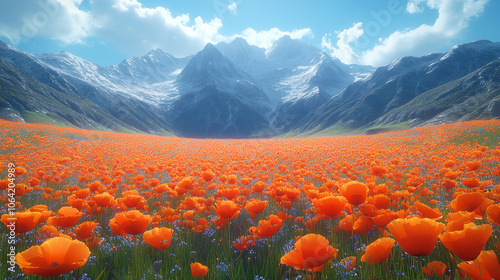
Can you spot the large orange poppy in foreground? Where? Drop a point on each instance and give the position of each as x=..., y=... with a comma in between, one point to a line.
x=311, y=251
x=54, y=257
x=416, y=236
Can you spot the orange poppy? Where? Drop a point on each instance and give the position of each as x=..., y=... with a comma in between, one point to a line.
x=54, y=257
x=383, y=217
x=355, y=192
x=66, y=217
x=227, y=209
x=428, y=212
x=84, y=230
x=134, y=201
x=490, y=261
x=347, y=223
x=467, y=243
x=434, y=268
x=485, y=266
x=378, y=250
x=416, y=236
x=268, y=228
x=158, y=237
x=493, y=214
x=362, y=225
x=311, y=251
x=330, y=206
x=198, y=270
x=104, y=199
x=21, y=222
x=130, y=222
x=254, y=207
x=458, y=220
x=381, y=201
x=467, y=202
x=93, y=241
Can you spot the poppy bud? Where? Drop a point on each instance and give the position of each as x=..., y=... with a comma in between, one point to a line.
x=156, y=266
x=192, y=255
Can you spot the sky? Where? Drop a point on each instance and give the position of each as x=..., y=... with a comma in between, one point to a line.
x=364, y=32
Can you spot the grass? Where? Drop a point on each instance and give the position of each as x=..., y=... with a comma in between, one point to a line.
x=40, y=118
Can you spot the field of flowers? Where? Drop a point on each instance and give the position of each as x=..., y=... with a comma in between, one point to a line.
x=416, y=204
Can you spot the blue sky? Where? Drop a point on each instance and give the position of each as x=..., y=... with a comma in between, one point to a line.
x=357, y=31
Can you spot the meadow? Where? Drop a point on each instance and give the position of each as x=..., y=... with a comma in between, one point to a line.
x=414, y=204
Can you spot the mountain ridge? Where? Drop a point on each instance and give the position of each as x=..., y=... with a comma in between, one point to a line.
x=235, y=90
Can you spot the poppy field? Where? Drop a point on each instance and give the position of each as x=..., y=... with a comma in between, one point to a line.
x=416, y=204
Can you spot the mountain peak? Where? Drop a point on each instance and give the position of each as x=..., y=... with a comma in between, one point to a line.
x=157, y=52
x=290, y=50
x=207, y=65
x=240, y=41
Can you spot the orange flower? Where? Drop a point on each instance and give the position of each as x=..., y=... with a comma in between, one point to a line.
x=54, y=257
x=378, y=250
x=255, y=207
x=486, y=266
x=362, y=225
x=311, y=251
x=227, y=209
x=268, y=228
x=134, y=201
x=458, y=220
x=489, y=260
x=66, y=217
x=104, y=199
x=330, y=206
x=473, y=165
x=381, y=201
x=93, y=241
x=84, y=230
x=158, y=237
x=198, y=270
x=130, y=222
x=383, y=217
x=434, y=268
x=467, y=243
x=416, y=236
x=355, y=192
x=207, y=175
x=467, y=202
x=23, y=221
x=428, y=212
x=493, y=214
x=347, y=223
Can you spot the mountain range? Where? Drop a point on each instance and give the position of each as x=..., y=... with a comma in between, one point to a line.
x=235, y=90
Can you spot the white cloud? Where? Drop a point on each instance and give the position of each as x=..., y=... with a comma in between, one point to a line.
x=344, y=50
x=266, y=38
x=58, y=19
x=454, y=16
x=232, y=8
x=414, y=6
x=125, y=24
x=136, y=29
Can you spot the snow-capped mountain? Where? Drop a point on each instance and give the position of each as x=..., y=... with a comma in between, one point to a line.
x=227, y=90
x=396, y=84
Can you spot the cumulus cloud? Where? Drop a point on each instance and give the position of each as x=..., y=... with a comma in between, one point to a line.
x=58, y=19
x=266, y=38
x=232, y=8
x=344, y=50
x=136, y=29
x=126, y=24
x=453, y=17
